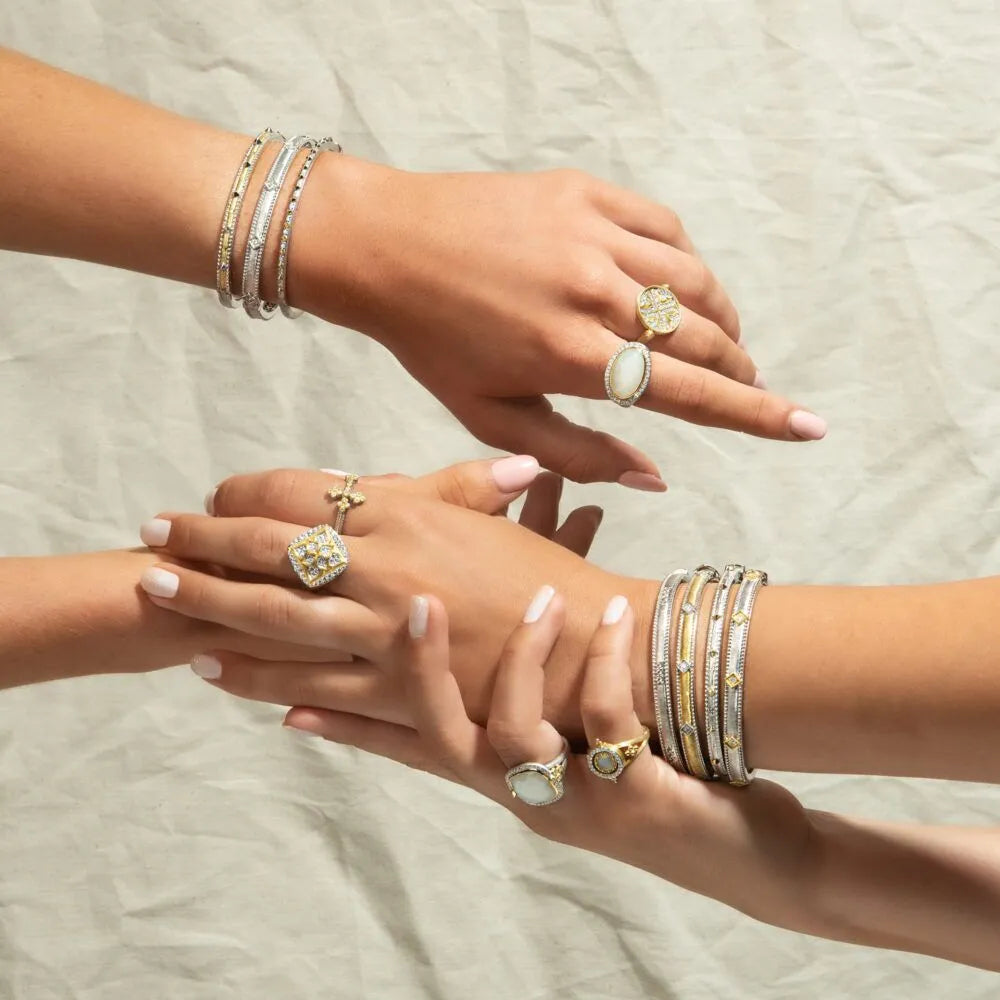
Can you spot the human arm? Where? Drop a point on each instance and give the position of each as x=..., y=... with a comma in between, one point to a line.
x=493, y=290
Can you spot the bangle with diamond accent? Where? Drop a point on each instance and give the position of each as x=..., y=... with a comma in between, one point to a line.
x=286, y=229
x=687, y=653
x=261, y=224
x=731, y=575
x=660, y=661
x=739, y=633
x=231, y=215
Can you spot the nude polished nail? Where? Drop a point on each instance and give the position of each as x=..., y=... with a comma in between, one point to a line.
x=515, y=473
x=644, y=481
x=418, y=617
x=615, y=610
x=538, y=604
x=206, y=667
x=807, y=426
x=160, y=582
x=155, y=532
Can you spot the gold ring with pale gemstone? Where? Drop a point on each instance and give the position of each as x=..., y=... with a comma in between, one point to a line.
x=658, y=311
x=628, y=372
x=609, y=760
x=537, y=784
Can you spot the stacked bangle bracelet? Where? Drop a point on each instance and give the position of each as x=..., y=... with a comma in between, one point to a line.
x=260, y=223
x=723, y=664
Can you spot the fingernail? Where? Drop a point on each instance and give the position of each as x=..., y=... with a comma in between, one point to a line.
x=741, y=343
x=159, y=582
x=807, y=426
x=418, y=617
x=758, y=382
x=207, y=667
x=210, y=501
x=515, y=473
x=644, y=481
x=614, y=611
x=295, y=729
x=335, y=472
x=538, y=604
x=155, y=531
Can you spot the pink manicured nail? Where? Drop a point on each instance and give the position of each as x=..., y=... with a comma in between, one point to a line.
x=210, y=501
x=615, y=610
x=758, y=382
x=807, y=426
x=335, y=472
x=418, y=617
x=515, y=473
x=160, y=582
x=301, y=732
x=644, y=481
x=155, y=532
x=206, y=667
x=538, y=604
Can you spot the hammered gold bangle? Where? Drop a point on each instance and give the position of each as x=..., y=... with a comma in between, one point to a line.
x=231, y=216
x=687, y=651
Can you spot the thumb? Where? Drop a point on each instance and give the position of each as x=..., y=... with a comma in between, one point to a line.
x=487, y=486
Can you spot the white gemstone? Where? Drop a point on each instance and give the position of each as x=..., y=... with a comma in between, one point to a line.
x=627, y=372
x=684, y=666
x=533, y=788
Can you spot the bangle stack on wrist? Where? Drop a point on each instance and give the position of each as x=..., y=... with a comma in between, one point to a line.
x=723, y=666
x=260, y=224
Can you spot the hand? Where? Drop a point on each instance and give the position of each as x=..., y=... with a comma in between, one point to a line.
x=750, y=848
x=400, y=540
x=496, y=290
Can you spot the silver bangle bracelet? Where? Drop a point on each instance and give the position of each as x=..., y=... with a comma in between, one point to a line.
x=687, y=657
x=324, y=144
x=231, y=216
x=261, y=224
x=739, y=632
x=731, y=575
x=660, y=660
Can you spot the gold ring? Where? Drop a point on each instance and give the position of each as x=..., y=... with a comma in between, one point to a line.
x=658, y=311
x=318, y=556
x=537, y=784
x=609, y=760
x=346, y=498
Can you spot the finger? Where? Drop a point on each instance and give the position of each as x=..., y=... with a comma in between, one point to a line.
x=642, y=216
x=358, y=688
x=240, y=643
x=485, y=486
x=540, y=512
x=607, y=706
x=651, y=262
x=578, y=453
x=398, y=743
x=515, y=726
x=270, y=610
x=435, y=700
x=579, y=530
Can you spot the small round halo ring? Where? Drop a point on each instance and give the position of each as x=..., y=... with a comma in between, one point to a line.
x=537, y=784
x=627, y=375
x=609, y=760
x=658, y=310
x=318, y=556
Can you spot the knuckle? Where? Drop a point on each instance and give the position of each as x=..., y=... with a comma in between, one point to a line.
x=273, y=610
x=505, y=736
x=261, y=547
x=278, y=490
x=707, y=348
x=591, y=281
x=601, y=714
x=688, y=392
x=701, y=282
x=671, y=223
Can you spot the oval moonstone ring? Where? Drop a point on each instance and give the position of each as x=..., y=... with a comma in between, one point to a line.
x=627, y=374
x=539, y=784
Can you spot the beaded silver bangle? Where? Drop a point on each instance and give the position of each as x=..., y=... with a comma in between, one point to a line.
x=687, y=655
x=739, y=632
x=324, y=144
x=231, y=216
x=261, y=224
x=731, y=575
x=660, y=660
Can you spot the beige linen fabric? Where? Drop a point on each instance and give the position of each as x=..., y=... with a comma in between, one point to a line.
x=837, y=163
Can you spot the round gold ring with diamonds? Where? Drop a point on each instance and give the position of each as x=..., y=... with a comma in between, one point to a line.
x=658, y=311
x=537, y=784
x=318, y=556
x=609, y=760
x=345, y=498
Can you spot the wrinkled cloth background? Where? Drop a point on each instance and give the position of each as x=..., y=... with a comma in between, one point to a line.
x=836, y=163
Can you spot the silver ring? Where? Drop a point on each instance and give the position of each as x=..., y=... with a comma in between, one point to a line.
x=627, y=374
x=537, y=784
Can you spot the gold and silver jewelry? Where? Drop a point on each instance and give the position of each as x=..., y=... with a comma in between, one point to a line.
x=731, y=575
x=660, y=660
x=326, y=143
x=318, y=556
x=687, y=652
x=260, y=226
x=537, y=784
x=346, y=498
x=628, y=372
x=609, y=760
x=231, y=216
x=732, y=717
x=658, y=311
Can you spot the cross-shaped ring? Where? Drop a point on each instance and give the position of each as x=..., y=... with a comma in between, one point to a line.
x=346, y=498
